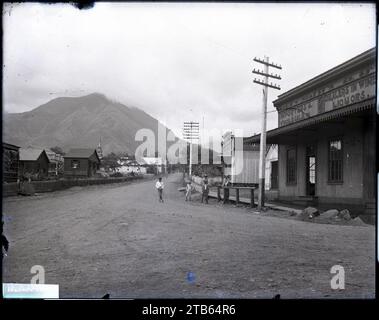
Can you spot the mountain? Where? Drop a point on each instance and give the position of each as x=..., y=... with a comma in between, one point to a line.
x=70, y=122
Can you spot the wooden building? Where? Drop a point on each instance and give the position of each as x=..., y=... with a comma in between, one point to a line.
x=81, y=163
x=326, y=138
x=11, y=158
x=34, y=163
x=240, y=160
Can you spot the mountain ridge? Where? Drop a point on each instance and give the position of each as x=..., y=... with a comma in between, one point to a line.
x=70, y=122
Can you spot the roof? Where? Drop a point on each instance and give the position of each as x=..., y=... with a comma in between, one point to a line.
x=273, y=135
x=10, y=146
x=31, y=154
x=53, y=156
x=82, y=153
x=355, y=62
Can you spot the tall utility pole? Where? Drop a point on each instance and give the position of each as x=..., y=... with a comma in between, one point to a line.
x=262, y=149
x=191, y=132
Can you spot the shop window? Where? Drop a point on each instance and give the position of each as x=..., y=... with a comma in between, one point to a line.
x=291, y=166
x=335, y=165
x=75, y=164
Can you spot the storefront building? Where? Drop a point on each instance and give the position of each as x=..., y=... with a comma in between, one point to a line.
x=326, y=138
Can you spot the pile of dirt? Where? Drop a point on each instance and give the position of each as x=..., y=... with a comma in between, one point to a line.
x=308, y=213
x=356, y=222
x=337, y=215
x=332, y=216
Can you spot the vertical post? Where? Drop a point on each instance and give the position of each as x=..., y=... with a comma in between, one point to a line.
x=262, y=149
x=226, y=195
x=190, y=131
x=252, y=198
x=190, y=159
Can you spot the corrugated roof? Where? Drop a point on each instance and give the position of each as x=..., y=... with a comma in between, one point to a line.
x=30, y=154
x=80, y=153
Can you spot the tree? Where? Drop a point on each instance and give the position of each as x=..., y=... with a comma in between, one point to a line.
x=57, y=150
x=110, y=161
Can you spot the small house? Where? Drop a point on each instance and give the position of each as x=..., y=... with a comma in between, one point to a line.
x=33, y=162
x=81, y=163
x=130, y=166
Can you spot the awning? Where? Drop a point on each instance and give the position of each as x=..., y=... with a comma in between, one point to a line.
x=275, y=136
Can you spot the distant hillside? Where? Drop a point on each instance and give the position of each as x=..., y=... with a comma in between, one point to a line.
x=79, y=122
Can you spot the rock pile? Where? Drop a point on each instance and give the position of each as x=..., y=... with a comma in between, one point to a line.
x=309, y=213
x=330, y=216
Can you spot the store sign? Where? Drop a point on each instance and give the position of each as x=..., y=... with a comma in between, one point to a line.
x=354, y=88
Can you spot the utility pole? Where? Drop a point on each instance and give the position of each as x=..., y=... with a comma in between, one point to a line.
x=191, y=132
x=262, y=146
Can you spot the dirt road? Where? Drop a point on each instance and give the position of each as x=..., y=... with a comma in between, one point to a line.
x=119, y=239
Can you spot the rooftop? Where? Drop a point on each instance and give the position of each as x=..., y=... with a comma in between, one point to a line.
x=80, y=153
x=365, y=57
x=30, y=154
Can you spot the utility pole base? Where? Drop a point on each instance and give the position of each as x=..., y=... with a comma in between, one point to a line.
x=261, y=194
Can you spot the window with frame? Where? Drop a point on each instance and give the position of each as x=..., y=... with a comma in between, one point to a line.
x=335, y=165
x=291, y=166
x=75, y=164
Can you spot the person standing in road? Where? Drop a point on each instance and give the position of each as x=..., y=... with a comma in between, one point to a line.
x=159, y=185
x=188, y=190
x=205, y=191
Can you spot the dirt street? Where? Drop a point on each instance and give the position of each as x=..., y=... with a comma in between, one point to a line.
x=119, y=239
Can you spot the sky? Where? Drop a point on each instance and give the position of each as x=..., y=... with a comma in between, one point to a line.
x=176, y=61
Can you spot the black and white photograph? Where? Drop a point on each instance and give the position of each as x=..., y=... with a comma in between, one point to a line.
x=189, y=150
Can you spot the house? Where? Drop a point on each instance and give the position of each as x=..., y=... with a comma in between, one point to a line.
x=152, y=164
x=130, y=166
x=33, y=162
x=81, y=163
x=240, y=160
x=56, y=162
x=11, y=158
x=326, y=138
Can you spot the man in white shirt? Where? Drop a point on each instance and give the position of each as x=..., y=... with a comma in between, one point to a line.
x=159, y=185
x=205, y=190
x=188, y=190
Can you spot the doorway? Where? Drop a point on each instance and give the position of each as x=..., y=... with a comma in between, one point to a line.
x=310, y=170
x=274, y=175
